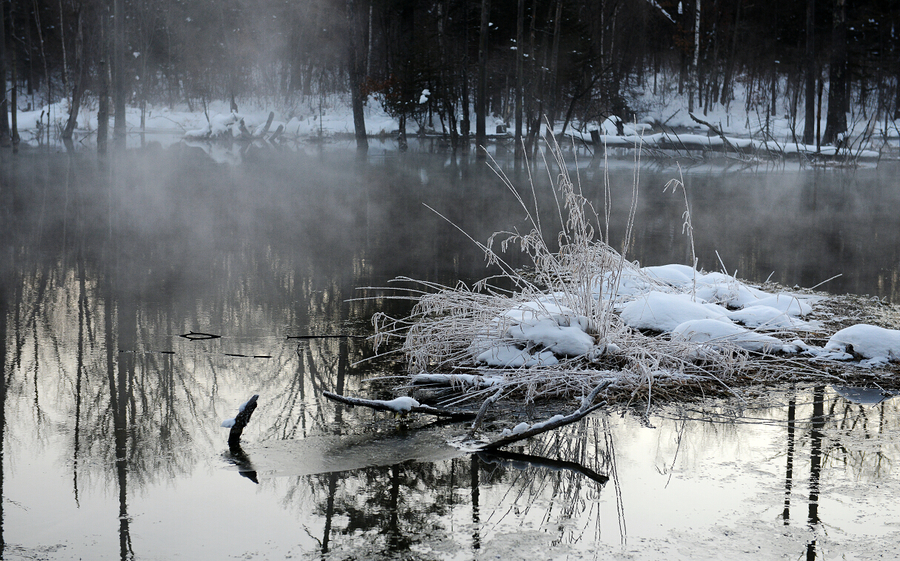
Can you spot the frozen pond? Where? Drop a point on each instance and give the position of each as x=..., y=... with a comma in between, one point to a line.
x=110, y=420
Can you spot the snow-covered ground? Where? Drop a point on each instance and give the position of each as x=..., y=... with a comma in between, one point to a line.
x=653, y=126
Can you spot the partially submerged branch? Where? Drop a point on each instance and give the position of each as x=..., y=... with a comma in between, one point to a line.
x=238, y=423
x=523, y=431
x=400, y=405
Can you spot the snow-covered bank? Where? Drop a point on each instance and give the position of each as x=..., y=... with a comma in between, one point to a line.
x=658, y=126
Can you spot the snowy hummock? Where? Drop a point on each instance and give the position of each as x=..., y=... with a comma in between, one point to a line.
x=877, y=344
x=539, y=333
x=769, y=319
x=661, y=311
x=713, y=309
x=716, y=333
x=228, y=423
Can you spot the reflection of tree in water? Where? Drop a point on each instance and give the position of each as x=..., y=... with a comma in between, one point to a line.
x=861, y=437
x=377, y=510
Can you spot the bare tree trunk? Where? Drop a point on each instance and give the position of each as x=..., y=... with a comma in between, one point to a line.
x=811, y=73
x=14, y=130
x=37, y=21
x=356, y=76
x=481, y=94
x=103, y=93
x=836, y=119
x=695, y=63
x=79, y=80
x=554, y=64
x=725, y=92
x=4, y=108
x=520, y=79
x=119, y=70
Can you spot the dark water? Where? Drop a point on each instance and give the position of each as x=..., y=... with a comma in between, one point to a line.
x=110, y=420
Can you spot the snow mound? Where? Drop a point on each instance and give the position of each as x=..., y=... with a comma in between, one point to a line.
x=787, y=303
x=869, y=341
x=674, y=275
x=511, y=356
x=720, y=333
x=540, y=333
x=562, y=340
x=768, y=318
x=621, y=285
x=660, y=311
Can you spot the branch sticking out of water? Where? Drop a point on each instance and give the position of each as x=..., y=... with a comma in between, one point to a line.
x=238, y=423
x=587, y=406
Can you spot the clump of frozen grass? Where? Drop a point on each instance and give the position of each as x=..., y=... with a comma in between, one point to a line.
x=560, y=333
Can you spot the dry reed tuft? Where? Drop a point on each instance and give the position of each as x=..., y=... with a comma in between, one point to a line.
x=449, y=326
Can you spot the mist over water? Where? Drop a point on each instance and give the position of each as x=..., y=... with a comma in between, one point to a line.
x=110, y=419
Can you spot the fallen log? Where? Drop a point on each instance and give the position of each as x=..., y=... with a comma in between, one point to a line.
x=400, y=405
x=719, y=133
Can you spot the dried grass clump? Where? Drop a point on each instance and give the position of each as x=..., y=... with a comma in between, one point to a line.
x=449, y=325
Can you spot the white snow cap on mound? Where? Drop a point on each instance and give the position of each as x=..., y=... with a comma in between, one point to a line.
x=511, y=356
x=715, y=333
x=675, y=275
x=787, y=303
x=660, y=311
x=626, y=283
x=562, y=340
x=554, y=330
x=769, y=318
x=872, y=342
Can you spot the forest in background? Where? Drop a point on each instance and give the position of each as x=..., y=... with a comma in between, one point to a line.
x=524, y=60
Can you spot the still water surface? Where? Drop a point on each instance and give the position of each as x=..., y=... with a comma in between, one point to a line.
x=111, y=442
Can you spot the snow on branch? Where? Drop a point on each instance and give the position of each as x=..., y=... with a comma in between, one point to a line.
x=400, y=405
x=660, y=8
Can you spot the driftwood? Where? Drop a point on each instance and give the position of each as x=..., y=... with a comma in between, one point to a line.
x=383, y=406
x=243, y=417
